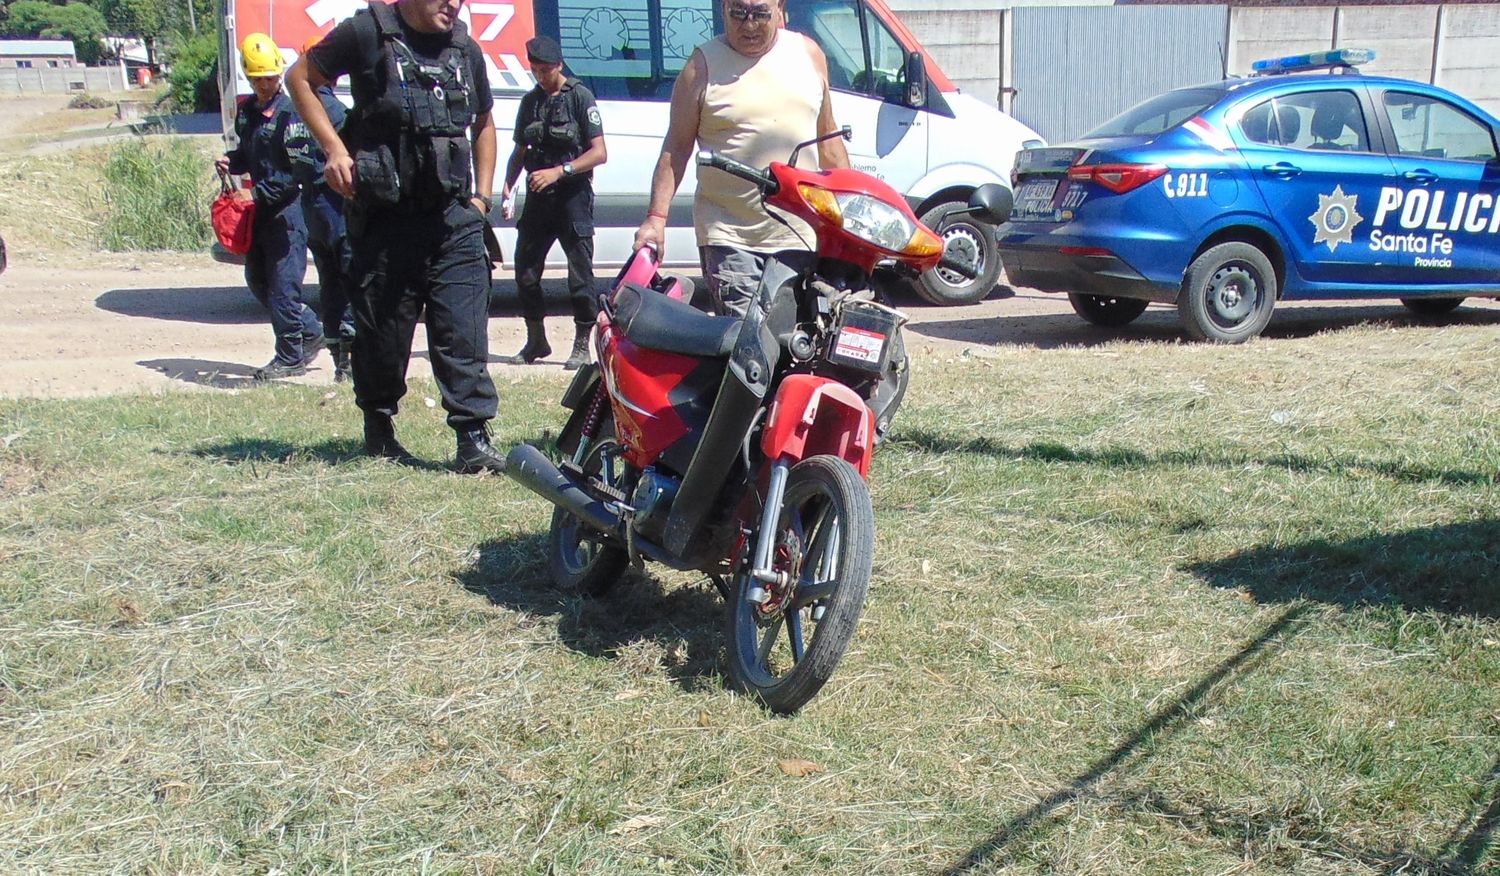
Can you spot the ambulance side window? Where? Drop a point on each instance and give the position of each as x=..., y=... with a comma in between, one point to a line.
x=834, y=26
x=1429, y=128
x=627, y=49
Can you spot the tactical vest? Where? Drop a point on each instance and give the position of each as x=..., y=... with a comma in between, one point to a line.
x=411, y=143
x=553, y=136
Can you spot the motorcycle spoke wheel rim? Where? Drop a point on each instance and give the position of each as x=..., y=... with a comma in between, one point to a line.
x=781, y=642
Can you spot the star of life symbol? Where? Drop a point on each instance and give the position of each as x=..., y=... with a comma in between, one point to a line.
x=1335, y=219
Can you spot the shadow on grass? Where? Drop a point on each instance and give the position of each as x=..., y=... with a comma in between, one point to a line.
x=1465, y=849
x=1449, y=568
x=334, y=451
x=683, y=620
x=1124, y=457
x=1160, y=324
x=1139, y=745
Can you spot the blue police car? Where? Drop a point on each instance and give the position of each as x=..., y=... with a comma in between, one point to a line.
x=1223, y=198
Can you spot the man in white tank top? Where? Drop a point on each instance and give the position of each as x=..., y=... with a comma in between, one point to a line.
x=752, y=94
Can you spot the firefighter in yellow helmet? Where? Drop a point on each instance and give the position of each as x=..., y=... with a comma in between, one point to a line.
x=277, y=259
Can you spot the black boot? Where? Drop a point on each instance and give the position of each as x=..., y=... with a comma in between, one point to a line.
x=380, y=440
x=536, y=345
x=340, y=352
x=580, y=355
x=476, y=454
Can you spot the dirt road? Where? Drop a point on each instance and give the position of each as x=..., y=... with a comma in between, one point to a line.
x=155, y=322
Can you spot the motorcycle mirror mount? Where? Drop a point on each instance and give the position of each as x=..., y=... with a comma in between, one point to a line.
x=990, y=203
x=846, y=132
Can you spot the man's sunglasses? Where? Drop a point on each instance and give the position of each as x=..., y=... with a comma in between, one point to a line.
x=760, y=15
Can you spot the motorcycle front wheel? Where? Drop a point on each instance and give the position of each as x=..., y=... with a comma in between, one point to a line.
x=783, y=652
x=578, y=560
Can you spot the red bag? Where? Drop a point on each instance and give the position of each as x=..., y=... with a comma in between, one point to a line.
x=232, y=218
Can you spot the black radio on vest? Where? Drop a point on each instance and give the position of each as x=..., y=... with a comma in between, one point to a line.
x=411, y=143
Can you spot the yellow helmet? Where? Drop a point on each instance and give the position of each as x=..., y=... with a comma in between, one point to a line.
x=260, y=57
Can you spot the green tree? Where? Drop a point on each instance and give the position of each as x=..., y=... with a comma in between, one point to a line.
x=79, y=22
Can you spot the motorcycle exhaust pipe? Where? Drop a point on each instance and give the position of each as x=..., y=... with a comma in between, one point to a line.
x=531, y=468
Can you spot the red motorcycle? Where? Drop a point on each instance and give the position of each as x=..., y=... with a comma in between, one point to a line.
x=739, y=446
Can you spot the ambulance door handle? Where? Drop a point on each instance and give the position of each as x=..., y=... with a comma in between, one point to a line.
x=1282, y=169
x=1420, y=176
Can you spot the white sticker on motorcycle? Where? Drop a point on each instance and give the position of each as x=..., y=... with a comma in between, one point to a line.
x=1335, y=219
x=858, y=343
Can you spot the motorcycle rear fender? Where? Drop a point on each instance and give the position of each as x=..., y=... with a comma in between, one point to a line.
x=815, y=415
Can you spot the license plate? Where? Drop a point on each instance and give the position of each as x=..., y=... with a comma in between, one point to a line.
x=1035, y=196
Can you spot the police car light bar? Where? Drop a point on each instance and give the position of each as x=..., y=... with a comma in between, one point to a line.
x=1313, y=61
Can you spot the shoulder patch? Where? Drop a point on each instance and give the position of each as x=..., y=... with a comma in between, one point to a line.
x=594, y=118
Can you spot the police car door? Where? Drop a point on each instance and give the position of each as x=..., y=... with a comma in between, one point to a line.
x=866, y=77
x=1311, y=156
x=1442, y=215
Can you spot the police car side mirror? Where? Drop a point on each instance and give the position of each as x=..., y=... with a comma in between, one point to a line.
x=916, y=81
x=991, y=202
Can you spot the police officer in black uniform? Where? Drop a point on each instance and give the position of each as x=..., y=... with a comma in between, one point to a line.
x=559, y=141
x=417, y=161
x=327, y=238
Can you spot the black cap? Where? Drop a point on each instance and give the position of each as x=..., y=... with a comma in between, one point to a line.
x=543, y=50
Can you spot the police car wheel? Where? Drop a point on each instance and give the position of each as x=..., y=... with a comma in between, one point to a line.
x=1106, y=311
x=1228, y=294
x=975, y=241
x=1431, y=306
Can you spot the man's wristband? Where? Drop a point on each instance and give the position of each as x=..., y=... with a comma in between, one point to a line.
x=653, y=213
x=485, y=200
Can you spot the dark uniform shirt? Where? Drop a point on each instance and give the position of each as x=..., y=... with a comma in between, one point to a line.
x=262, y=150
x=346, y=49
x=302, y=147
x=572, y=109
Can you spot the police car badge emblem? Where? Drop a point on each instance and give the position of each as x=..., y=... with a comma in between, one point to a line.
x=1335, y=219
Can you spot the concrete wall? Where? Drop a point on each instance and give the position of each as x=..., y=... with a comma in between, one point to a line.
x=966, y=44
x=61, y=80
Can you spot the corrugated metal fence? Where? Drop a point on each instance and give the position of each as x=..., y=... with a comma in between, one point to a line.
x=1074, y=67
x=1065, y=69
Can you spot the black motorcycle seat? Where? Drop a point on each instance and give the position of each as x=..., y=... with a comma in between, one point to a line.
x=651, y=320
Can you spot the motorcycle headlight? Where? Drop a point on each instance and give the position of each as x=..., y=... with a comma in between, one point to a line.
x=872, y=220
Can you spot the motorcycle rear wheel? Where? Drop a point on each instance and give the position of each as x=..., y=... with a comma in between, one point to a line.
x=578, y=562
x=828, y=522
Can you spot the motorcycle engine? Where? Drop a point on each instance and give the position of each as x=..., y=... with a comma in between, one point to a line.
x=652, y=501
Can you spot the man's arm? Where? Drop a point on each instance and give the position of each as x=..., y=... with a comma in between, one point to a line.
x=671, y=166
x=831, y=153
x=484, y=159
x=302, y=83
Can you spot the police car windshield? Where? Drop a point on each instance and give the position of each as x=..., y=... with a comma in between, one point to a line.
x=1160, y=113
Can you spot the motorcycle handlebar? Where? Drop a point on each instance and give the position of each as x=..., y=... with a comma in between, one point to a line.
x=953, y=262
x=762, y=180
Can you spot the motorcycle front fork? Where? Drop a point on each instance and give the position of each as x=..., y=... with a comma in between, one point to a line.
x=763, y=573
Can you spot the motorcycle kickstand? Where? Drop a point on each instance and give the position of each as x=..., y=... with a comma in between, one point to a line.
x=721, y=585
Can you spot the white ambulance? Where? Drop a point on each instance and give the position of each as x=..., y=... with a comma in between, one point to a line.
x=912, y=127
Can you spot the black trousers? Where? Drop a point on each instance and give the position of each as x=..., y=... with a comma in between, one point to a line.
x=567, y=218
x=402, y=265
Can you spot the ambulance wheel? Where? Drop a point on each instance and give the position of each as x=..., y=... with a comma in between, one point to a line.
x=1105, y=310
x=975, y=242
x=1431, y=306
x=1228, y=294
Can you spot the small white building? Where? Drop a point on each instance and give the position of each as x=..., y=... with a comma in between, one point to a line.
x=37, y=54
